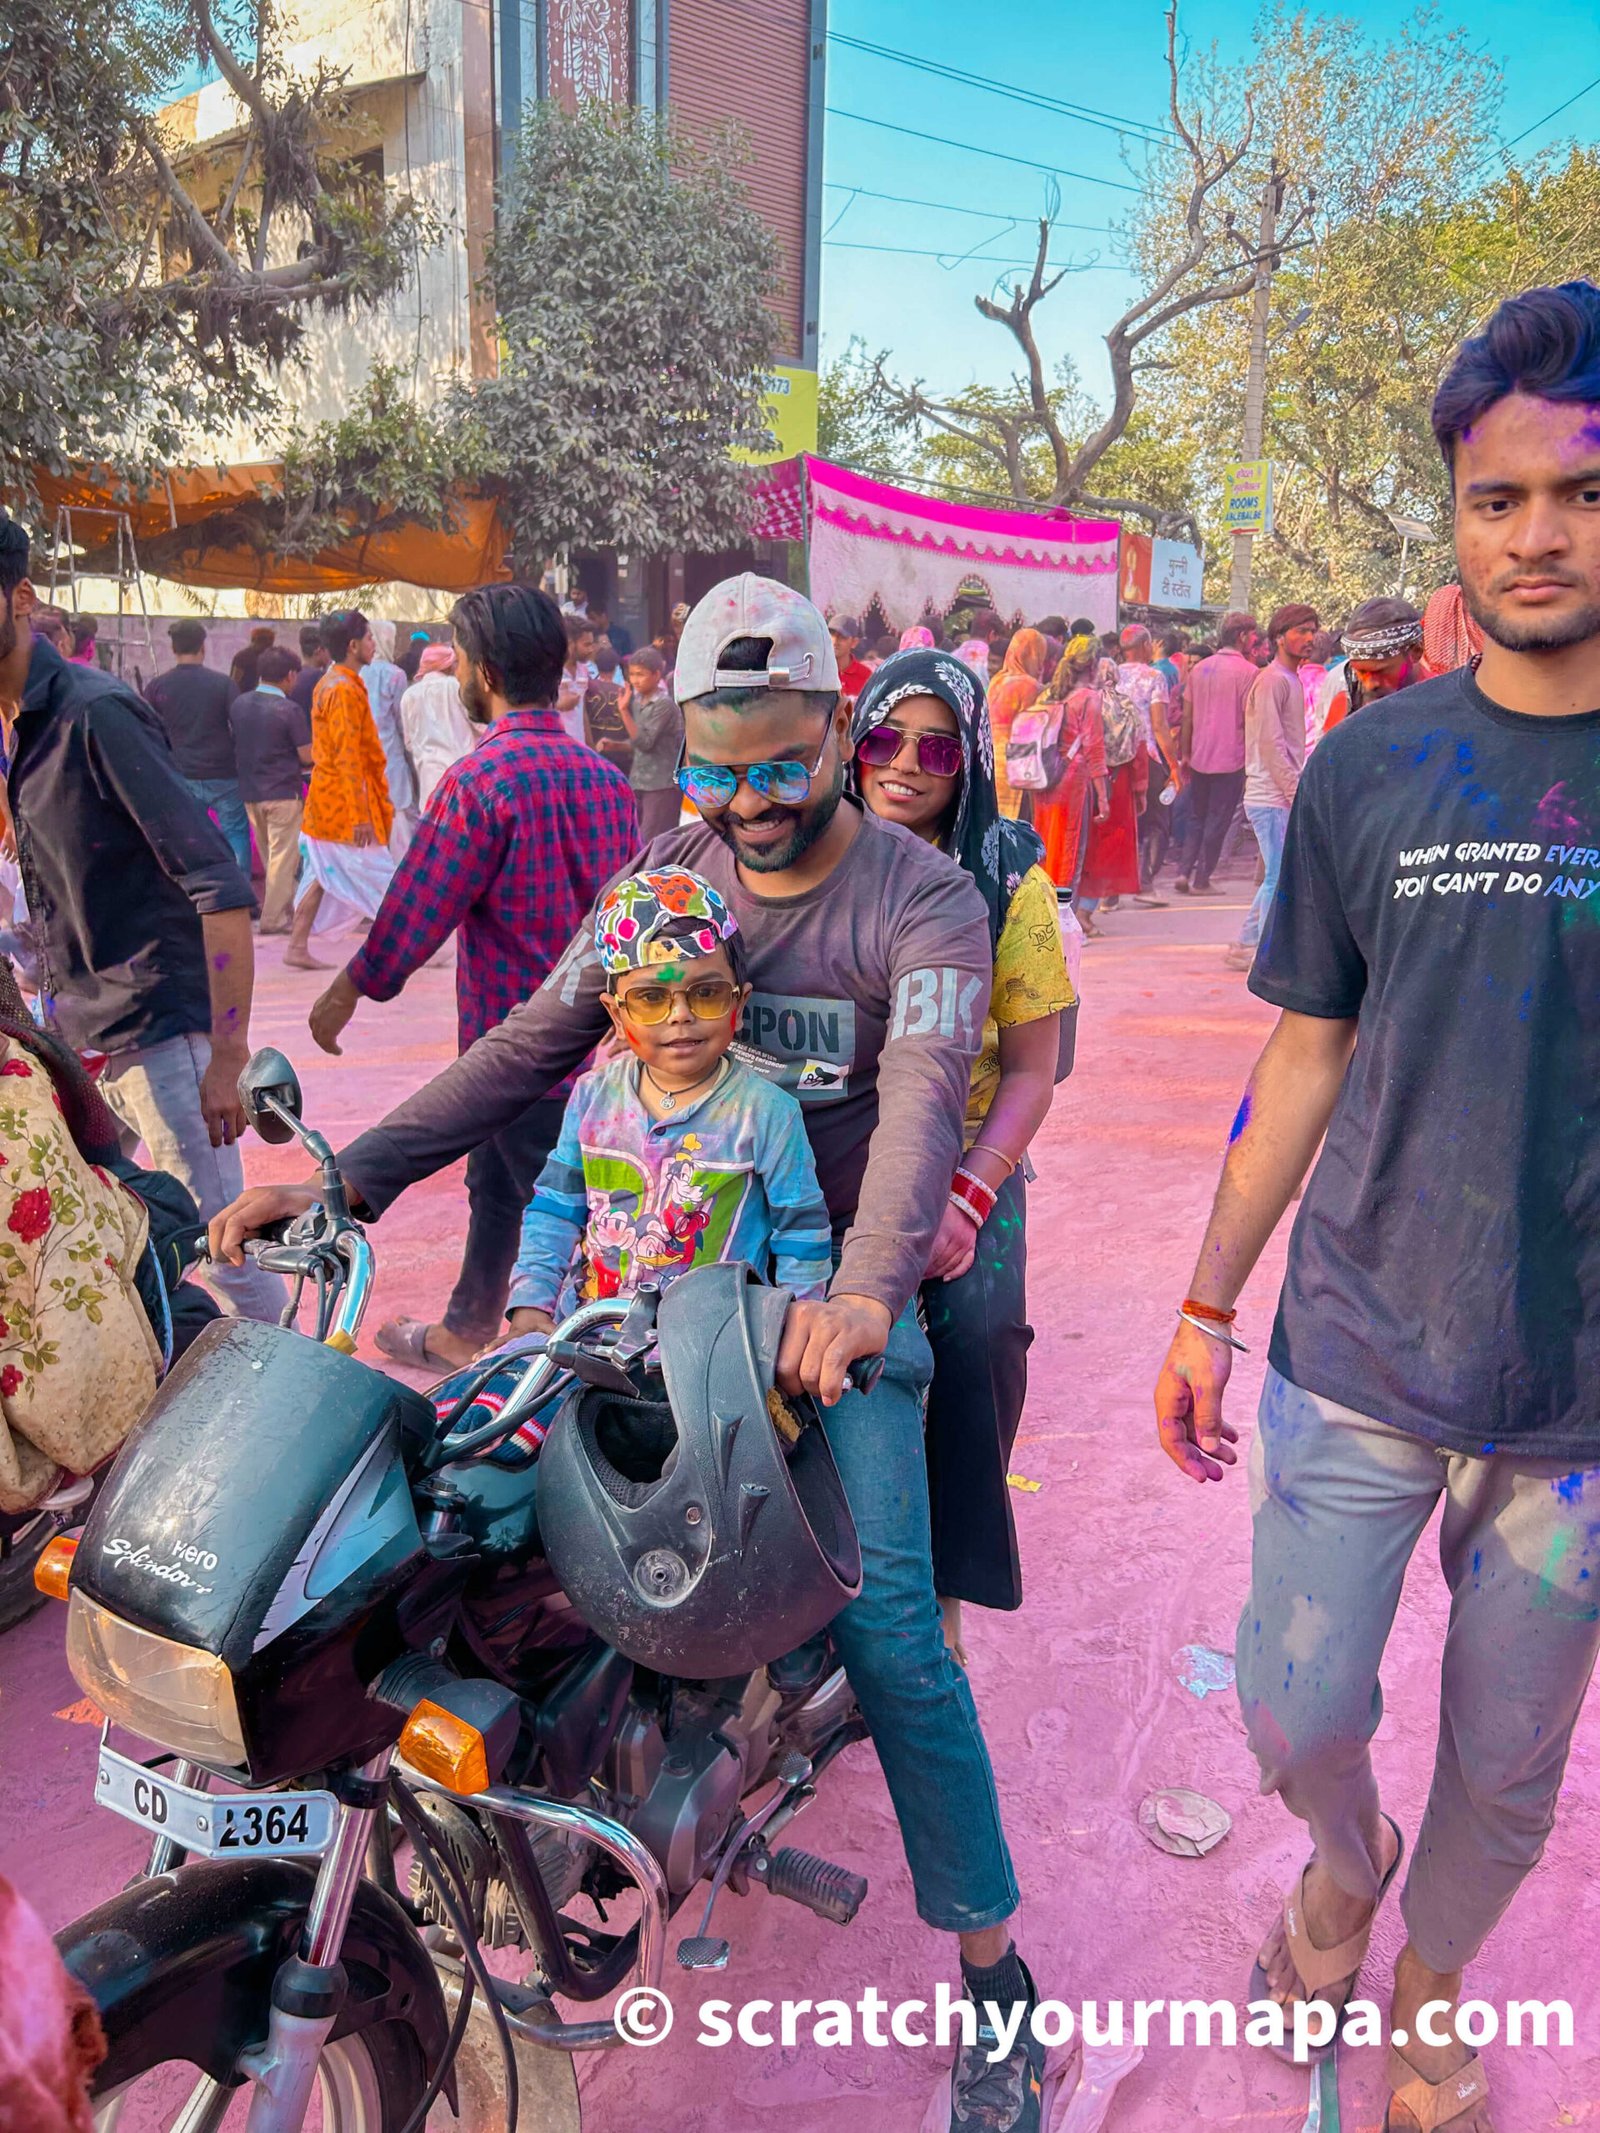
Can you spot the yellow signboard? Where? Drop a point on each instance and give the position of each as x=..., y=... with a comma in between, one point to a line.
x=792, y=412
x=1248, y=504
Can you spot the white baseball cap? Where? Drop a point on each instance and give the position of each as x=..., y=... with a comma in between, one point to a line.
x=801, y=655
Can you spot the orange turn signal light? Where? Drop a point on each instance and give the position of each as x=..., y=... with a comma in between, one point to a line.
x=54, y=1567
x=446, y=1749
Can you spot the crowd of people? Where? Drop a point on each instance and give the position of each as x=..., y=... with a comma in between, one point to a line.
x=810, y=902
x=1141, y=747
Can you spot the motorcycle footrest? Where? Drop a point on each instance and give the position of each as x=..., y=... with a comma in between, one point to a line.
x=832, y=1892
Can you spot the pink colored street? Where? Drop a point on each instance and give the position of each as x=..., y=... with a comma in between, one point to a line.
x=1101, y=1691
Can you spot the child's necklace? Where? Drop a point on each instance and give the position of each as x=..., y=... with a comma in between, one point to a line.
x=669, y=1099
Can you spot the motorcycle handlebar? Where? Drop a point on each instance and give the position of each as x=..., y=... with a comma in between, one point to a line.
x=535, y=1383
x=340, y=1264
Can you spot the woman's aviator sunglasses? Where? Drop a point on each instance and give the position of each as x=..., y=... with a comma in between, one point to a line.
x=709, y=1000
x=938, y=754
x=713, y=785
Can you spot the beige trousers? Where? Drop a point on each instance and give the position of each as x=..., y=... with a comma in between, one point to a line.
x=276, y=824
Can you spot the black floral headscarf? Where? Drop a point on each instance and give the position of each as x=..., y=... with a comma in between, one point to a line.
x=995, y=852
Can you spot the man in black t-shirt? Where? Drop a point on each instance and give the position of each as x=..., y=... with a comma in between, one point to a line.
x=314, y=661
x=192, y=700
x=141, y=916
x=1435, y=951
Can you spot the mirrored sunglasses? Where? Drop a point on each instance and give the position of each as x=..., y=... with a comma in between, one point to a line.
x=713, y=786
x=938, y=754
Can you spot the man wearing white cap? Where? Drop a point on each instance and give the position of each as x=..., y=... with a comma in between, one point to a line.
x=869, y=960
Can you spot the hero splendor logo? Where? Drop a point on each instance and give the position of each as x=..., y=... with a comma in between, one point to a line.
x=175, y=1572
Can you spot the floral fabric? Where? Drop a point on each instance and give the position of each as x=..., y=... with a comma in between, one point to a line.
x=78, y=1359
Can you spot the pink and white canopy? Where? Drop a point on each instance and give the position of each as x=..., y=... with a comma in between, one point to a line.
x=870, y=541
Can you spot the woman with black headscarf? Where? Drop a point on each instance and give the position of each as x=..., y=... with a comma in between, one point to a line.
x=924, y=757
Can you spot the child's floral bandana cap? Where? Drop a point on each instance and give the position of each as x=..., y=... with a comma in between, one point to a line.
x=660, y=918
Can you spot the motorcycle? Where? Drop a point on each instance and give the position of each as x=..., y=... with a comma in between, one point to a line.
x=386, y=1740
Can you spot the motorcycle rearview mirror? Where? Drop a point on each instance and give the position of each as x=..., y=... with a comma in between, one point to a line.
x=269, y=1088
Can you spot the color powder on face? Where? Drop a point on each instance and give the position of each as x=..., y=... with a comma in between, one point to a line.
x=1241, y=1118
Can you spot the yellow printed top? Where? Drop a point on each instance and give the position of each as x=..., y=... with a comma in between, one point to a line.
x=1030, y=982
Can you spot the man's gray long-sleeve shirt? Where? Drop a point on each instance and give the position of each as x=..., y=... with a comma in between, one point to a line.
x=868, y=994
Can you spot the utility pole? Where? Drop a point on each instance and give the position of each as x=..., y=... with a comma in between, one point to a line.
x=1255, y=390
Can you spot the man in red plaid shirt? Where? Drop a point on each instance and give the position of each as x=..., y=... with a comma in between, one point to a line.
x=518, y=841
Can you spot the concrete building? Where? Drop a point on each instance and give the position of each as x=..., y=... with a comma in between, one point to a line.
x=435, y=89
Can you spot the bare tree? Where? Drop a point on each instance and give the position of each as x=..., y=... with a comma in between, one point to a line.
x=1209, y=260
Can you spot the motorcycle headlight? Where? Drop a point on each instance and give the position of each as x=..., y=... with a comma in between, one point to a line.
x=168, y=1693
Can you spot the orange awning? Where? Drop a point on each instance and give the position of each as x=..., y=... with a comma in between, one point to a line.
x=194, y=526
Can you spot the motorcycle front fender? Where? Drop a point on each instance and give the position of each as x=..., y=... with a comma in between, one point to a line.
x=181, y=1966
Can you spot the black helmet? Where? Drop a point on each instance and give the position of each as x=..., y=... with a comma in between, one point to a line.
x=706, y=1534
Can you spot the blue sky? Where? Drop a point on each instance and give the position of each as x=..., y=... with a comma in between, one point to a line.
x=1108, y=58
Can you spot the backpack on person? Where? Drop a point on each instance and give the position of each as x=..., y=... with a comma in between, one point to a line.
x=1034, y=761
x=1119, y=715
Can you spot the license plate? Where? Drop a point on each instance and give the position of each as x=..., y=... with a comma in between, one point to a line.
x=219, y=1825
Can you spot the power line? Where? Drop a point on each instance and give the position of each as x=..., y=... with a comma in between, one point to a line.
x=1082, y=114
x=953, y=207
x=1053, y=170
x=970, y=259
x=1549, y=115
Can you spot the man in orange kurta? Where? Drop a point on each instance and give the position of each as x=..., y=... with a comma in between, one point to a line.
x=348, y=813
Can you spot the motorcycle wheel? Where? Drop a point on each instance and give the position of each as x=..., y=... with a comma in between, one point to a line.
x=20, y=1549
x=368, y=2082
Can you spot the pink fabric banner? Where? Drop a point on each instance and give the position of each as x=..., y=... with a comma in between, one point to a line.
x=870, y=541
x=777, y=501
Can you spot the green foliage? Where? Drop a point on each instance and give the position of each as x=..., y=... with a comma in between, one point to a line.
x=144, y=297
x=632, y=281
x=385, y=462
x=1416, y=238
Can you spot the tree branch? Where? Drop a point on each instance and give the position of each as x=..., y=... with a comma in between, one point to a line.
x=243, y=84
x=204, y=237
x=1017, y=318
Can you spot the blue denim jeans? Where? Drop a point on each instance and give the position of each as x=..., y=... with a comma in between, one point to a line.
x=220, y=797
x=1270, y=825
x=917, y=1702
x=154, y=1091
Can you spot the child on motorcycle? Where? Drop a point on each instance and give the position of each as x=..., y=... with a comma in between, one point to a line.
x=673, y=1154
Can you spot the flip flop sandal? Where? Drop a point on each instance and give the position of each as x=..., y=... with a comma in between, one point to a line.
x=1434, y=2104
x=405, y=1340
x=1317, y=1968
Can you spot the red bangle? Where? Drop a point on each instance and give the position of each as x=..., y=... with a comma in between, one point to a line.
x=1200, y=1310
x=969, y=1192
